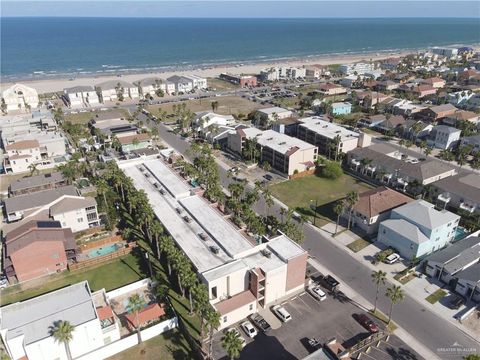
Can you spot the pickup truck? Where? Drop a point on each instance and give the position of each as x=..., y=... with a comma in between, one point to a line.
x=260, y=322
x=329, y=283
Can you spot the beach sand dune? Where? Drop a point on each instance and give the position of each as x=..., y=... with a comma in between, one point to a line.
x=58, y=84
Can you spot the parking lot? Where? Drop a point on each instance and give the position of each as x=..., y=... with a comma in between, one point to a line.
x=311, y=318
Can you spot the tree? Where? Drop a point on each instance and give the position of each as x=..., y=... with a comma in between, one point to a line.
x=395, y=294
x=232, y=344
x=338, y=209
x=378, y=278
x=332, y=170
x=33, y=169
x=62, y=332
x=472, y=357
x=351, y=199
x=102, y=188
x=212, y=319
x=161, y=292
x=135, y=304
x=214, y=105
x=3, y=106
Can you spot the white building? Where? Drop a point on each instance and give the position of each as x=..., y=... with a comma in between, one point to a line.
x=22, y=154
x=205, y=120
x=292, y=72
x=447, y=52
x=274, y=113
x=110, y=90
x=19, y=96
x=26, y=326
x=186, y=83
x=81, y=96
x=150, y=86
x=242, y=276
x=270, y=74
x=357, y=68
x=446, y=137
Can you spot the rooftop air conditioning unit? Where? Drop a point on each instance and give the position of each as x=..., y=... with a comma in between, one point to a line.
x=214, y=249
x=266, y=253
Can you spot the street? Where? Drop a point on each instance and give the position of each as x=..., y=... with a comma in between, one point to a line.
x=427, y=328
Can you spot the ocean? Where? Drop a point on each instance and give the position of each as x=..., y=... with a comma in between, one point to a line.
x=47, y=47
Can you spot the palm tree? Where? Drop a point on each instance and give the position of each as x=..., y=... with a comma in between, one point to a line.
x=268, y=198
x=338, y=209
x=62, y=332
x=102, y=188
x=214, y=105
x=395, y=294
x=134, y=305
x=378, y=278
x=33, y=169
x=212, y=319
x=232, y=344
x=352, y=199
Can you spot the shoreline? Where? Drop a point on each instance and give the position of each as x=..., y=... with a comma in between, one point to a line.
x=57, y=82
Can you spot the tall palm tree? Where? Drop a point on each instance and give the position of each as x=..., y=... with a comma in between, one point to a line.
x=62, y=332
x=232, y=344
x=33, y=169
x=135, y=304
x=268, y=198
x=338, y=209
x=395, y=294
x=212, y=319
x=102, y=189
x=378, y=277
x=351, y=199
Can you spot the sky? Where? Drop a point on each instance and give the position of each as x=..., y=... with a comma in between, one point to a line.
x=239, y=9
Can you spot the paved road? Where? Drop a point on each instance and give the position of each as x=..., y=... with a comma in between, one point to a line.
x=432, y=331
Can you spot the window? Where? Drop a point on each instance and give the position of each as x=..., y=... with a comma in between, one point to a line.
x=214, y=292
x=250, y=307
x=224, y=319
x=90, y=208
x=91, y=216
x=80, y=220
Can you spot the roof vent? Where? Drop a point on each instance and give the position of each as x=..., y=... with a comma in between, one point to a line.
x=214, y=249
x=266, y=253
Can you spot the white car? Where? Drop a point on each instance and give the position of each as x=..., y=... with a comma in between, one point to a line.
x=392, y=258
x=282, y=313
x=3, y=282
x=317, y=293
x=242, y=339
x=249, y=329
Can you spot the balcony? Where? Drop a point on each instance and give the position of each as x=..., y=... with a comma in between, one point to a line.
x=467, y=207
x=444, y=197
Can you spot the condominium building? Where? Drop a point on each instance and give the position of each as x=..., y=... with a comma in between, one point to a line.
x=242, y=274
x=111, y=90
x=284, y=153
x=185, y=83
x=357, y=68
x=81, y=96
x=242, y=80
x=31, y=184
x=19, y=97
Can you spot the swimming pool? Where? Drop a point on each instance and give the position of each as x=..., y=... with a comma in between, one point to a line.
x=104, y=250
x=460, y=233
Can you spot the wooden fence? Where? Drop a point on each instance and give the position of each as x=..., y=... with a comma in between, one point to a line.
x=101, y=259
x=101, y=242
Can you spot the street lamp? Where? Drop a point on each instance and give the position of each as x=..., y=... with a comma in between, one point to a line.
x=315, y=210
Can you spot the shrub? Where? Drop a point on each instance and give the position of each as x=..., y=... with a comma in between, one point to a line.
x=332, y=170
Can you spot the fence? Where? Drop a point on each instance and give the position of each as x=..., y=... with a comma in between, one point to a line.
x=130, y=341
x=101, y=242
x=128, y=288
x=101, y=259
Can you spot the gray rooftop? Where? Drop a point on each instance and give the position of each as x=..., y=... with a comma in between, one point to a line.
x=176, y=186
x=35, y=181
x=38, y=199
x=447, y=129
x=70, y=204
x=79, y=89
x=471, y=273
x=455, y=257
x=113, y=84
x=33, y=318
x=222, y=231
x=424, y=214
x=285, y=248
x=467, y=186
x=406, y=229
x=273, y=110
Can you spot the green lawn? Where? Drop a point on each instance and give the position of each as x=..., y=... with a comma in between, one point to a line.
x=168, y=346
x=122, y=271
x=436, y=296
x=301, y=194
x=358, y=245
x=220, y=84
x=85, y=117
x=384, y=318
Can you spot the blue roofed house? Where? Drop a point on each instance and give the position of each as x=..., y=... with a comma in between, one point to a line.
x=341, y=108
x=417, y=229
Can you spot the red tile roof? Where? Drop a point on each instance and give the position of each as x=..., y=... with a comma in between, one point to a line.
x=236, y=301
x=376, y=201
x=125, y=140
x=22, y=145
x=151, y=312
x=104, y=312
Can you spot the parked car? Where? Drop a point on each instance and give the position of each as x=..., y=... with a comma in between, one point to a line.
x=317, y=292
x=260, y=322
x=3, y=282
x=178, y=210
x=456, y=302
x=249, y=329
x=281, y=313
x=187, y=219
x=329, y=283
x=392, y=258
x=203, y=236
x=366, y=322
x=162, y=191
x=268, y=177
x=242, y=339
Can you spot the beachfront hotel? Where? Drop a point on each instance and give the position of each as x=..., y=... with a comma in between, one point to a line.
x=243, y=274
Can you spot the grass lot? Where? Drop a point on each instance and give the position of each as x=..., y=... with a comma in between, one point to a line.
x=226, y=105
x=85, y=117
x=358, y=245
x=219, y=84
x=287, y=102
x=403, y=279
x=436, y=296
x=168, y=346
x=7, y=179
x=383, y=318
x=299, y=193
x=122, y=271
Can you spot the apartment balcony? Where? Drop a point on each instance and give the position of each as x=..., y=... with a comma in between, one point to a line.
x=444, y=197
x=467, y=207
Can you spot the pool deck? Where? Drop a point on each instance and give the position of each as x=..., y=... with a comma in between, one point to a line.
x=85, y=254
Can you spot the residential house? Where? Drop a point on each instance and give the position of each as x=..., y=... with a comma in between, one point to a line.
x=19, y=97
x=36, y=183
x=359, y=68
x=462, y=115
x=351, y=81
x=129, y=143
x=287, y=126
x=330, y=138
x=417, y=229
x=444, y=137
x=435, y=82
x=447, y=52
x=81, y=96
x=387, y=85
x=447, y=264
x=21, y=155
x=415, y=130
x=242, y=275
x=397, y=167
x=113, y=90
x=75, y=212
x=188, y=83
x=371, y=120
x=374, y=206
x=468, y=75
x=36, y=249
x=392, y=123
x=438, y=112
x=461, y=191
x=112, y=123
x=473, y=141
x=390, y=63
x=316, y=71
x=26, y=326
x=329, y=89
x=286, y=154
x=368, y=99
x=269, y=115
x=197, y=81
x=401, y=107
x=150, y=86
x=242, y=80
x=341, y=108
x=419, y=91
x=206, y=119
x=468, y=283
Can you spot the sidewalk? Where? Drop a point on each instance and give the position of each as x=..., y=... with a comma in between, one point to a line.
x=361, y=302
x=418, y=288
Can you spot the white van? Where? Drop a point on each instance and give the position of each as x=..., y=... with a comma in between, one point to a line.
x=281, y=313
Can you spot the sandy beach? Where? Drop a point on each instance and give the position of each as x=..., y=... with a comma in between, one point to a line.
x=58, y=84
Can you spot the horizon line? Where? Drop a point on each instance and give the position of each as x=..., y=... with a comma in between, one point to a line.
x=243, y=17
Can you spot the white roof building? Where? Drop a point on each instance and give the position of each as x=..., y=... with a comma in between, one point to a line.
x=19, y=96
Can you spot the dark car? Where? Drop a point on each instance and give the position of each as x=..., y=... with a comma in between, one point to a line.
x=366, y=322
x=268, y=177
x=456, y=302
x=260, y=322
x=329, y=283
